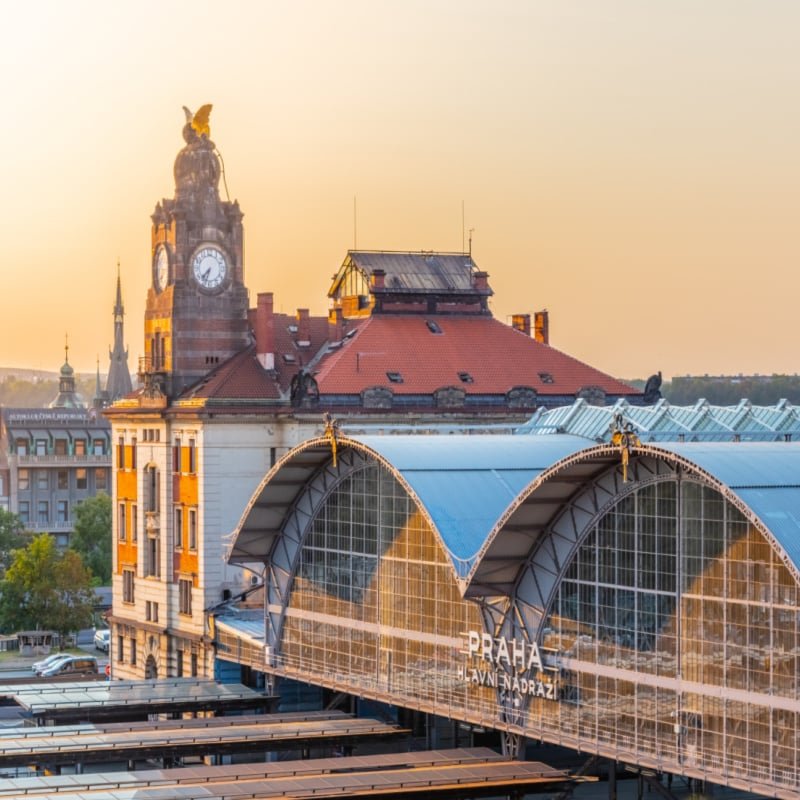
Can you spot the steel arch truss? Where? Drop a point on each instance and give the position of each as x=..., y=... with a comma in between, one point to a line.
x=286, y=549
x=541, y=575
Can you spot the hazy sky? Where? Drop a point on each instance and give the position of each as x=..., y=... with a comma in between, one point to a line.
x=631, y=166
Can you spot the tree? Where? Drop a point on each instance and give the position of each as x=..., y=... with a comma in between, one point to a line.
x=46, y=590
x=91, y=537
x=12, y=537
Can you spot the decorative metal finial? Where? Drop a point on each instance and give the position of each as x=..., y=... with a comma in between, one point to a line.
x=331, y=429
x=623, y=435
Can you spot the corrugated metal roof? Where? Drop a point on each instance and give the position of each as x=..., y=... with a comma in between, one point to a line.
x=663, y=422
x=419, y=271
x=466, y=484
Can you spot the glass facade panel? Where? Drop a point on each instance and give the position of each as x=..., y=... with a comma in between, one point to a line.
x=672, y=632
x=724, y=623
x=374, y=599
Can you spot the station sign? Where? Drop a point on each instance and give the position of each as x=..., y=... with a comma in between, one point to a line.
x=512, y=666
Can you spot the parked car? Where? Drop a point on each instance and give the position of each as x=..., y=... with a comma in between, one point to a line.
x=102, y=639
x=72, y=665
x=48, y=662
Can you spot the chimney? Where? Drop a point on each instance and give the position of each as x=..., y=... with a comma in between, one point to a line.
x=541, y=326
x=303, y=328
x=265, y=331
x=480, y=281
x=521, y=323
x=378, y=279
x=335, y=324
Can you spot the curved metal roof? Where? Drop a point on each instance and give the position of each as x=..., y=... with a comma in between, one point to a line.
x=489, y=497
x=462, y=484
x=761, y=478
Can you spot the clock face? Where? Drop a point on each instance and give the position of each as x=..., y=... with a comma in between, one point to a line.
x=162, y=268
x=210, y=267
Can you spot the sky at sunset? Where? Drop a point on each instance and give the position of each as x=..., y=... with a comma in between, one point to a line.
x=633, y=167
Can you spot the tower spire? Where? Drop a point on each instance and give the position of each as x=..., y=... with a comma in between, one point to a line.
x=118, y=383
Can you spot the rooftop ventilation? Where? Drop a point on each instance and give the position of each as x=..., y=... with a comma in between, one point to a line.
x=394, y=377
x=289, y=358
x=546, y=377
x=292, y=329
x=351, y=334
x=433, y=326
x=465, y=377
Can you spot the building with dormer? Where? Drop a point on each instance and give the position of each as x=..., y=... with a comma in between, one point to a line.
x=226, y=390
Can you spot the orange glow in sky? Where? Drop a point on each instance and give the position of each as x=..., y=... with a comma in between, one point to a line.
x=632, y=167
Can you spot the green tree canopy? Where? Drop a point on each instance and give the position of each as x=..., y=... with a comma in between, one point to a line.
x=91, y=537
x=12, y=536
x=46, y=590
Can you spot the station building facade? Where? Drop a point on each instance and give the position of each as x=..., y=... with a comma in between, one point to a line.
x=638, y=601
x=226, y=389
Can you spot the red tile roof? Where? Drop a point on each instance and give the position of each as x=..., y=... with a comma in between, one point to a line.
x=494, y=355
x=240, y=377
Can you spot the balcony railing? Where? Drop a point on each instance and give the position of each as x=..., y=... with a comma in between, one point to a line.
x=53, y=460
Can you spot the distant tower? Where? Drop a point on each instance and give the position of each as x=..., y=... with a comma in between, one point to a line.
x=100, y=397
x=67, y=396
x=119, y=376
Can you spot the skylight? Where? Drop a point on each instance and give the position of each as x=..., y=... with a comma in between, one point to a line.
x=465, y=377
x=394, y=377
x=546, y=377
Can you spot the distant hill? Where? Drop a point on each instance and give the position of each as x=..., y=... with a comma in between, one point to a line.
x=728, y=390
x=28, y=388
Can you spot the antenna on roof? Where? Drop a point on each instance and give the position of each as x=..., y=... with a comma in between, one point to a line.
x=471, y=230
x=355, y=224
x=462, y=226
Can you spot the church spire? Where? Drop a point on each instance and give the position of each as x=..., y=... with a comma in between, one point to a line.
x=119, y=376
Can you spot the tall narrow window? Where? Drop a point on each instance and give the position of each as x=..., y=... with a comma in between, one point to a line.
x=193, y=529
x=122, y=533
x=151, y=487
x=121, y=453
x=133, y=453
x=176, y=456
x=24, y=512
x=178, y=528
x=134, y=523
x=192, y=457
x=184, y=596
x=81, y=479
x=62, y=512
x=152, y=566
x=43, y=512
x=80, y=447
x=127, y=585
x=23, y=480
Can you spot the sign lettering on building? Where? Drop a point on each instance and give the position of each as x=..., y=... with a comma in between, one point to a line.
x=513, y=666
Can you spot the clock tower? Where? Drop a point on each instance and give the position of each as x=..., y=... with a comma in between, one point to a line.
x=196, y=315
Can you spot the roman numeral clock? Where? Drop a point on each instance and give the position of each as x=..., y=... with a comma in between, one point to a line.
x=196, y=314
